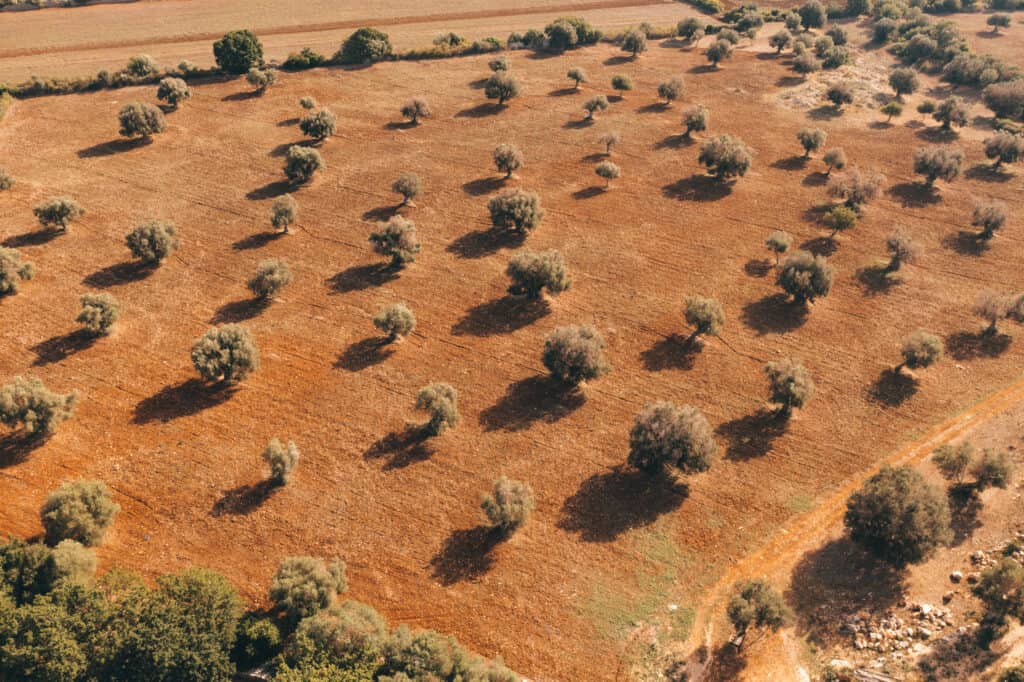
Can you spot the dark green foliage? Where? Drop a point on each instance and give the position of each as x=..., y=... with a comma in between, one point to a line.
x=837, y=34
x=780, y=40
x=508, y=505
x=884, y=30
x=993, y=470
x=904, y=81
x=26, y=571
x=1006, y=100
x=567, y=32
x=508, y=159
x=1004, y=147
x=272, y=275
x=811, y=139
x=301, y=163
x=952, y=461
x=501, y=86
x=319, y=125
x=74, y=562
x=812, y=14
x=57, y=213
x=441, y=401
x=304, y=586
x=516, y=210
x=396, y=321
x=920, y=350
x=141, y=120
x=892, y=109
x=238, y=51
x=926, y=107
x=226, y=354
x=153, y=241
x=397, y=240
x=789, y=384
x=839, y=94
x=621, y=83
x=13, y=271
x=690, y=29
x=282, y=460
x=98, y=314
x=305, y=58
x=756, y=604
x=666, y=436
x=839, y=219
x=719, y=51
x=350, y=636
x=952, y=112
x=26, y=404
x=531, y=273
x=415, y=109
x=634, y=42
x=725, y=156
x=365, y=46
x=805, y=276
x=695, y=119
x=575, y=354
x=595, y=104
x=671, y=90
x=174, y=91
x=938, y=162
x=78, y=510
x=142, y=66
x=1001, y=589
x=257, y=640
x=835, y=57
x=977, y=70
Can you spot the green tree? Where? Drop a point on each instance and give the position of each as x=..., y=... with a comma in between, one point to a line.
x=756, y=604
x=78, y=510
x=238, y=51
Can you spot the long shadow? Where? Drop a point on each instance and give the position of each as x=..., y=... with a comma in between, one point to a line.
x=616, y=60
x=674, y=142
x=937, y=134
x=365, y=353
x=653, y=108
x=815, y=179
x=119, y=273
x=284, y=123
x=698, y=187
x=579, y=123
x=562, y=92
x=875, y=280
x=838, y=579
x=243, y=499
x=481, y=110
x=57, y=348
x=987, y=173
x=789, y=81
x=501, y=316
x=180, y=400
x=727, y=662
x=380, y=214
x=16, y=447
x=892, y=388
x=595, y=157
x=826, y=112
x=774, y=314
x=821, y=246
x=466, y=555
x=964, y=507
x=256, y=241
x=400, y=125
x=758, y=267
x=672, y=352
x=270, y=190
x=607, y=505
x=111, y=147
x=880, y=125
x=240, y=96
x=974, y=345
x=914, y=194
x=484, y=242
x=703, y=68
x=359, y=277
x=530, y=400
x=751, y=436
x=791, y=163
x=588, y=192
x=478, y=84
x=966, y=243
x=34, y=238
x=482, y=186
x=240, y=310
x=402, y=448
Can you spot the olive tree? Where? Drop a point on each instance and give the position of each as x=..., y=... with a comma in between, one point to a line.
x=634, y=42
x=532, y=273
x=365, y=46
x=621, y=84
x=671, y=90
x=811, y=139
x=778, y=242
x=13, y=271
x=780, y=40
x=992, y=306
x=839, y=94
x=238, y=51
x=990, y=216
x=695, y=119
x=141, y=120
x=78, y=510
x=812, y=14
x=835, y=159
x=226, y=354
x=920, y=350
x=409, y=186
x=397, y=240
x=998, y=21
x=261, y=79
x=319, y=125
x=283, y=212
x=952, y=461
x=665, y=436
x=27, y=404
x=574, y=354
x=99, y=313
x=789, y=385
x=57, y=213
x=904, y=81
x=1004, y=147
x=993, y=470
x=806, y=63
x=609, y=140
x=805, y=276
x=595, y=104
x=719, y=51
x=725, y=156
x=705, y=315
x=508, y=159
x=499, y=63
x=839, y=219
x=515, y=210
x=508, y=505
x=6, y=180
x=952, y=112
x=301, y=163
x=415, y=109
x=892, y=110
x=153, y=241
x=502, y=87
x=271, y=276
x=173, y=90
x=396, y=320
x=938, y=162
x=302, y=586
x=307, y=102
x=690, y=29
x=609, y=171
x=755, y=604
x=441, y=402
x=577, y=76
x=142, y=66
x=902, y=249
x=856, y=187
x=282, y=460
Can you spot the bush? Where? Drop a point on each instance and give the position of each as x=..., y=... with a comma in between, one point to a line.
x=806, y=63
x=938, y=162
x=142, y=66
x=883, y=30
x=792, y=21
x=926, y=107
x=992, y=306
x=73, y=562
x=671, y=90
x=835, y=57
x=755, y=603
x=305, y=58
x=283, y=212
x=952, y=462
x=665, y=435
x=1001, y=590
x=812, y=14
x=415, y=109
x=409, y=186
x=508, y=159
x=27, y=404
x=904, y=81
x=835, y=159
x=856, y=188
x=13, y=270
x=153, y=241
x=695, y=119
x=304, y=586
x=172, y=90
x=950, y=112
x=805, y=276
x=811, y=139
x=789, y=385
x=839, y=219
x=441, y=401
x=690, y=29
x=531, y=273
x=141, y=120
x=577, y=75
x=719, y=51
x=1004, y=147
x=515, y=210
x=780, y=40
x=348, y=635
x=920, y=350
x=993, y=470
x=98, y=314
x=621, y=84
x=898, y=516
x=272, y=275
x=902, y=249
x=778, y=242
x=225, y=354
x=502, y=87
x=839, y=94
x=397, y=240
x=1006, y=100
x=78, y=510
x=822, y=46
x=634, y=42
x=990, y=217
x=301, y=163
x=6, y=180
x=499, y=63
x=238, y=51
x=261, y=79
x=608, y=140
x=58, y=212
x=282, y=460
x=607, y=170
x=891, y=110
x=998, y=21
x=396, y=320
x=705, y=315
x=1015, y=674
x=365, y=46
x=595, y=104
x=257, y=640
x=575, y=354
x=728, y=35
x=725, y=156
x=509, y=505
x=567, y=32
x=837, y=34
x=318, y=126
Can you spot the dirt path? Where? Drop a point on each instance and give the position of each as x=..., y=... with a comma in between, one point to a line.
x=807, y=531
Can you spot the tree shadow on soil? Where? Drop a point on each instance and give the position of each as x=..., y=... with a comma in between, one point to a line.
x=481, y=110
x=244, y=499
x=674, y=142
x=698, y=187
x=966, y=243
x=269, y=190
x=774, y=314
x=588, y=192
x=562, y=92
x=256, y=241
x=751, y=435
x=466, y=555
x=758, y=267
x=837, y=580
x=937, y=135
x=876, y=279
x=34, y=238
x=791, y=163
x=607, y=505
x=484, y=242
x=482, y=186
x=826, y=112
x=57, y=348
x=579, y=123
x=815, y=179
x=892, y=388
x=240, y=310
x=365, y=353
x=986, y=173
x=111, y=147
x=964, y=507
x=240, y=96
x=359, y=277
x=974, y=345
x=914, y=194
x=284, y=123
x=501, y=316
x=119, y=273
x=653, y=108
x=672, y=352
x=400, y=125
x=727, y=662
x=181, y=400
x=821, y=246
x=536, y=398
x=16, y=447
x=402, y=448
x=381, y=213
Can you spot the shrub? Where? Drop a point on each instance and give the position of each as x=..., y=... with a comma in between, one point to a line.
x=920, y=350
x=508, y=159
x=78, y=510
x=515, y=210
x=141, y=120
x=926, y=107
x=992, y=306
x=918, y=49
x=898, y=516
x=415, y=109
x=883, y=30
x=1006, y=100
x=318, y=126
x=153, y=241
x=695, y=118
x=13, y=270
x=27, y=404
x=837, y=34
x=499, y=63
x=811, y=139
x=307, y=102
x=577, y=75
x=172, y=90
x=608, y=140
x=822, y=46
x=952, y=462
x=300, y=163
x=261, y=79
x=835, y=57
x=283, y=212
x=792, y=21
x=225, y=354
x=665, y=436
x=780, y=40
x=282, y=460
x=855, y=187
x=938, y=162
x=806, y=63
x=575, y=354
x=142, y=66
x=449, y=39
x=992, y=470
x=839, y=219
x=1016, y=673
x=812, y=14
x=365, y=46
x=73, y=562
x=690, y=29
x=1004, y=147
x=238, y=51
x=671, y=90
x=397, y=240
x=258, y=639
x=998, y=21
x=6, y=180
x=304, y=586
x=891, y=110
x=789, y=385
x=502, y=87
x=778, y=242
x=834, y=159
x=594, y=104
x=58, y=212
x=349, y=635
x=705, y=315
x=989, y=216
x=441, y=402
x=839, y=94
x=902, y=249
x=805, y=276
x=621, y=83
x=98, y=314
x=509, y=505
x=904, y=81
x=950, y=112
x=725, y=156
x=531, y=273
x=755, y=603
x=1001, y=590
x=409, y=186
x=634, y=42
x=607, y=170
x=396, y=320
x=728, y=35
x=272, y=275
x=305, y=58
x=719, y=51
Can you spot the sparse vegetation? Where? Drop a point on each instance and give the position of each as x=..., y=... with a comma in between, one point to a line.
x=806, y=63
x=6, y=180
x=516, y=210
x=78, y=510
x=621, y=84
x=704, y=315
x=99, y=313
x=992, y=306
x=577, y=76
x=952, y=112
x=28, y=405
x=665, y=436
x=153, y=241
x=634, y=42
x=595, y=104
x=301, y=163
x=892, y=110
x=58, y=212
x=532, y=273
x=13, y=271
x=307, y=102
x=755, y=604
x=272, y=275
x=415, y=109
x=609, y=140
x=441, y=402
x=839, y=94
x=226, y=354
x=805, y=276
x=780, y=40
x=282, y=460
x=508, y=159
x=499, y=63
x=904, y=81
x=396, y=320
x=902, y=249
x=952, y=461
x=261, y=79
x=671, y=90
x=778, y=242
x=855, y=187
x=1004, y=147
x=725, y=156
x=719, y=51
x=840, y=219
x=574, y=354
x=509, y=504
x=397, y=240
x=695, y=119
x=835, y=159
